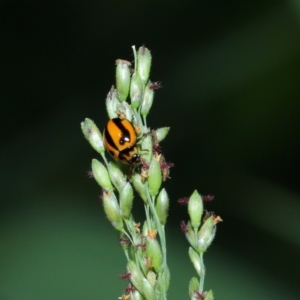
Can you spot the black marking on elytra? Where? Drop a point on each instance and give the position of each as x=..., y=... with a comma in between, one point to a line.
x=109, y=139
x=125, y=133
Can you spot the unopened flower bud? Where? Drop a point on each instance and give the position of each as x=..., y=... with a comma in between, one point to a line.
x=190, y=235
x=136, y=90
x=162, y=206
x=112, y=210
x=209, y=295
x=148, y=290
x=164, y=281
x=151, y=276
x=122, y=78
x=136, y=275
x=154, y=177
x=147, y=100
x=101, y=175
x=154, y=252
x=161, y=133
x=116, y=175
x=144, y=63
x=193, y=286
x=195, y=259
x=146, y=148
x=195, y=209
x=93, y=135
x=126, y=199
x=206, y=234
x=136, y=295
x=145, y=228
x=139, y=186
x=112, y=103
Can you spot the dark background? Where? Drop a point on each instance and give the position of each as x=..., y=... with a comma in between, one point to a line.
x=230, y=75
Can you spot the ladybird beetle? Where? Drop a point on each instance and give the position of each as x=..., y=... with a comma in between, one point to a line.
x=120, y=140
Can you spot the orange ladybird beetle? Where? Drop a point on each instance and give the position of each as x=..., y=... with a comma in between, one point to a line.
x=120, y=140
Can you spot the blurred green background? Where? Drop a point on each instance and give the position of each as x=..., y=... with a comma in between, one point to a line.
x=231, y=91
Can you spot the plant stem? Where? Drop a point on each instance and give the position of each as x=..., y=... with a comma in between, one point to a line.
x=202, y=276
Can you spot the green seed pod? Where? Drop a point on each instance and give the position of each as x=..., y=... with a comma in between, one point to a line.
x=193, y=286
x=139, y=186
x=136, y=275
x=126, y=199
x=112, y=103
x=195, y=259
x=122, y=78
x=137, y=253
x=146, y=149
x=154, y=177
x=148, y=290
x=209, y=295
x=136, y=90
x=164, y=281
x=162, y=206
x=154, y=252
x=195, y=209
x=136, y=295
x=206, y=234
x=116, y=175
x=147, y=100
x=144, y=63
x=145, y=228
x=190, y=235
x=161, y=133
x=112, y=210
x=151, y=277
x=101, y=175
x=93, y=135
